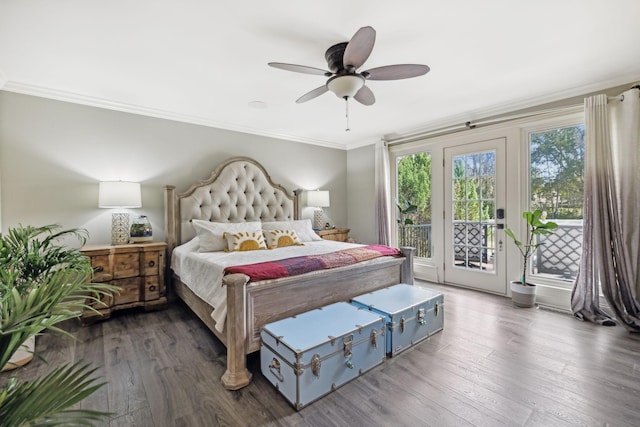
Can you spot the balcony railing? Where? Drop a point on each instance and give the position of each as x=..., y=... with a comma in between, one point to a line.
x=417, y=236
x=559, y=255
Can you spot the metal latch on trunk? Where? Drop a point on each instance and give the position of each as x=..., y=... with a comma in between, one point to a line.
x=374, y=338
x=420, y=316
x=403, y=322
x=316, y=363
x=348, y=350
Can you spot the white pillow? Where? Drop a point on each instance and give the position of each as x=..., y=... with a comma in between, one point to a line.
x=210, y=233
x=302, y=227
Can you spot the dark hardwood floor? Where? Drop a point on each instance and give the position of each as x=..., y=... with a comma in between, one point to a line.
x=493, y=365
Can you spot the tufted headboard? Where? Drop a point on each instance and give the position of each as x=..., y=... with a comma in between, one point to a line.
x=238, y=190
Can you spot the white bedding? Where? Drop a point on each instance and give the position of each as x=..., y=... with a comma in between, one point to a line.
x=202, y=271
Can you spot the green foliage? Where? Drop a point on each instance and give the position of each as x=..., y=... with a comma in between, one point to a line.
x=29, y=254
x=536, y=226
x=62, y=295
x=557, y=171
x=43, y=284
x=414, y=183
x=406, y=209
x=44, y=401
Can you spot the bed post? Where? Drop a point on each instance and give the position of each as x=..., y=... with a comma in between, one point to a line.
x=170, y=217
x=406, y=274
x=297, y=208
x=236, y=376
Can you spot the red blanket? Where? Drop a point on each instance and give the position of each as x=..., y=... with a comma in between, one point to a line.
x=305, y=264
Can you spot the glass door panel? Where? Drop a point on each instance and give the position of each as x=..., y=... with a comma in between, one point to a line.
x=475, y=180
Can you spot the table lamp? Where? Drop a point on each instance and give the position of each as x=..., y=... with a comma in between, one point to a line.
x=318, y=199
x=119, y=195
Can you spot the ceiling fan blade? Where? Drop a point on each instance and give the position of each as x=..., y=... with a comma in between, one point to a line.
x=300, y=69
x=364, y=96
x=395, y=72
x=359, y=48
x=313, y=94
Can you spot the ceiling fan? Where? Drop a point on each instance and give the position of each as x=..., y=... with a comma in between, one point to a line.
x=345, y=81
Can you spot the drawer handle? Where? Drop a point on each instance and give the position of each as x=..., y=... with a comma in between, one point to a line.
x=152, y=263
x=152, y=288
x=99, y=269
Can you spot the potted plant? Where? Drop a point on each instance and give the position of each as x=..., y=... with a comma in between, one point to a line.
x=523, y=294
x=28, y=255
x=43, y=283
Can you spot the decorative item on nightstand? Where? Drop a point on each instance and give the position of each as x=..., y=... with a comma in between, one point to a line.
x=318, y=199
x=141, y=230
x=119, y=195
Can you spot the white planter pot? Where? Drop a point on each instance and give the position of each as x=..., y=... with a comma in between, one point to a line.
x=22, y=356
x=523, y=296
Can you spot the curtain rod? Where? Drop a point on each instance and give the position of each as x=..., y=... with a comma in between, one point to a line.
x=621, y=96
x=472, y=125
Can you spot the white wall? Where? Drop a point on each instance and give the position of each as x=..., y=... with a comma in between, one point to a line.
x=362, y=194
x=53, y=154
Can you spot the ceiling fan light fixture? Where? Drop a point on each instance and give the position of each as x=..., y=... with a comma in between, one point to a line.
x=345, y=86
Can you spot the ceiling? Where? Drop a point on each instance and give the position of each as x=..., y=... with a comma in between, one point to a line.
x=205, y=61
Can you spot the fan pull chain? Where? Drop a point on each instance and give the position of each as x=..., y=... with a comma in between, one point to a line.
x=346, y=101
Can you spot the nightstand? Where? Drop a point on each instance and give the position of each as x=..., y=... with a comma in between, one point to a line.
x=138, y=269
x=337, y=234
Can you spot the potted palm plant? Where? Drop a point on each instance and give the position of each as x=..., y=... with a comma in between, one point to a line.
x=523, y=294
x=28, y=255
x=43, y=283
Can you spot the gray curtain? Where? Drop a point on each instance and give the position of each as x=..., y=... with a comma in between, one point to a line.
x=611, y=236
x=382, y=193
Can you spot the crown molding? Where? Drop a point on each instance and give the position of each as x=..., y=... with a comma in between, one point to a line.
x=74, y=98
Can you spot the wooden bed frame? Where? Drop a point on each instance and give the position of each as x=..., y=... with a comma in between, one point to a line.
x=252, y=305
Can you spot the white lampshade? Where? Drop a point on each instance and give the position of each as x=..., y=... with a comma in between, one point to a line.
x=119, y=194
x=318, y=199
x=345, y=86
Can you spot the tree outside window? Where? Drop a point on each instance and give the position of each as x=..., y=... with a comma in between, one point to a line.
x=414, y=188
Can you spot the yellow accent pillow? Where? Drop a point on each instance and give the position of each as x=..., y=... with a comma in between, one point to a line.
x=281, y=238
x=244, y=241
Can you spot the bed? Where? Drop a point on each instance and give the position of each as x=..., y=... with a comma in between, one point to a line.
x=240, y=190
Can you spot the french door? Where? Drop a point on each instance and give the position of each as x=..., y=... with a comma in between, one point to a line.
x=474, y=201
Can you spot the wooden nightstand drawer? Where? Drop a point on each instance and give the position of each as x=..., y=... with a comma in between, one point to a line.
x=129, y=291
x=126, y=265
x=151, y=288
x=101, y=265
x=150, y=263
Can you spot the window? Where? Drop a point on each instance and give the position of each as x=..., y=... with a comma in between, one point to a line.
x=413, y=202
x=556, y=185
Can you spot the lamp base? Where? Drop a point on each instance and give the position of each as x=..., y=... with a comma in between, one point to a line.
x=318, y=219
x=119, y=228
